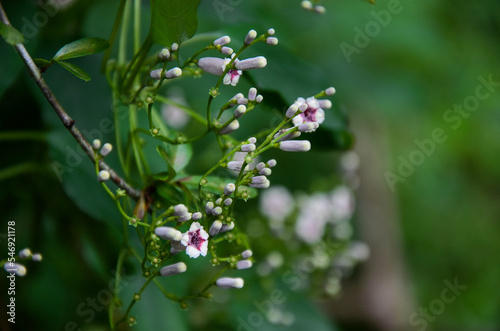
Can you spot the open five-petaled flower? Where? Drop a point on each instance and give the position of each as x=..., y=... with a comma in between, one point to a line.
x=195, y=240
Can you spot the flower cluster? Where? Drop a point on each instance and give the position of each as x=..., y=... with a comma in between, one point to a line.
x=308, y=5
x=18, y=268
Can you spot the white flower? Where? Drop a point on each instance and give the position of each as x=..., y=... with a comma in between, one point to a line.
x=276, y=203
x=195, y=240
x=313, y=112
x=232, y=77
x=315, y=212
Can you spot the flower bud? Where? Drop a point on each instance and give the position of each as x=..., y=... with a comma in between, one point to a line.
x=264, y=184
x=251, y=63
x=180, y=210
x=252, y=140
x=252, y=93
x=209, y=207
x=295, y=146
x=242, y=101
x=228, y=282
x=259, y=179
x=25, y=253
x=289, y=136
x=217, y=211
x=164, y=55
x=237, y=97
x=271, y=163
x=265, y=172
x=259, y=98
x=271, y=31
x=227, y=227
x=106, y=149
x=218, y=202
x=103, y=175
x=37, y=257
x=291, y=111
x=168, y=233
x=248, y=148
x=246, y=253
x=96, y=144
x=174, y=47
x=212, y=65
x=215, y=228
x=229, y=189
x=260, y=166
x=308, y=126
x=330, y=91
x=226, y=50
x=303, y=107
x=185, y=217
x=17, y=268
x=233, y=126
x=173, y=269
x=325, y=104
x=251, y=35
x=234, y=165
x=224, y=40
x=228, y=201
x=272, y=41
x=239, y=111
x=196, y=216
x=244, y=264
x=320, y=9
x=173, y=73
x=155, y=74
x=306, y=4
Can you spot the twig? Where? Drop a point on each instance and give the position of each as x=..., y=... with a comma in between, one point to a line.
x=67, y=121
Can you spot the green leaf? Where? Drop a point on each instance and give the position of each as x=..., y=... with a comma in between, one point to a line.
x=75, y=70
x=81, y=47
x=173, y=20
x=41, y=62
x=10, y=34
x=171, y=171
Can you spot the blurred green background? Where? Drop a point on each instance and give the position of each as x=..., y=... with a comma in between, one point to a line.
x=400, y=83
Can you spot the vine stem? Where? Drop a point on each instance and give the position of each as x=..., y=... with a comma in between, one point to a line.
x=67, y=121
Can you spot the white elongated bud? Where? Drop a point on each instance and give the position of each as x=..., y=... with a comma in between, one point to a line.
x=209, y=207
x=252, y=93
x=265, y=184
x=227, y=227
x=215, y=228
x=271, y=31
x=244, y=264
x=246, y=253
x=272, y=41
x=239, y=111
x=229, y=188
x=248, y=148
x=37, y=257
x=303, y=107
x=16, y=268
x=155, y=74
x=228, y=282
x=106, y=149
x=217, y=211
x=174, y=47
x=224, y=40
x=295, y=146
x=291, y=111
x=180, y=210
x=164, y=55
x=96, y=144
x=259, y=98
x=228, y=201
x=265, y=172
x=251, y=63
x=306, y=4
x=234, y=165
x=320, y=9
x=212, y=65
x=25, y=253
x=308, y=126
x=251, y=35
x=242, y=101
x=271, y=163
x=197, y=216
x=226, y=50
x=330, y=91
x=289, y=136
x=259, y=179
x=260, y=166
x=103, y=175
x=173, y=269
x=173, y=73
x=185, y=217
x=252, y=140
x=168, y=233
x=231, y=127
x=237, y=97
x=325, y=104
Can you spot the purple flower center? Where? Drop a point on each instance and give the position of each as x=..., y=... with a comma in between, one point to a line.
x=309, y=115
x=195, y=239
x=233, y=73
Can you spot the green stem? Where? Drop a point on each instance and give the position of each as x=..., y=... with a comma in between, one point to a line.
x=114, y=33
x=136, y=63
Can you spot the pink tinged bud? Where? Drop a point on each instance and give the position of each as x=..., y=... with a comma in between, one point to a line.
x=168, y=233
x=242, y=101
x=96, y=144
x=271, y=31
x=271, y=163
x=217, y=211
x=222, y=41
x=248, y=148
x=16, y=268
x=259, y=179
x=37, y=257
x=106, y=149
x=325, y=104
x=173, y=269
x=227, y=227
x=252, y=93
x=272, y=41
x=103, y=175
x=308, y=127
x=173, y=73
x=209, y=207
x=229, y=189
x=234, y=165
x=185, y=217
x=228, y=201
x=246, y=254
x=330, y=91
x=25, y=253
x=320, y=9
x=244, y=264
x=291, y=111
x=259, y=98
x=306, y=4
x=212, y=65
x=164, y=55
x=251, y=63
x=228, y=282
x=196, y=216
x=233, y=126
x=295, y=146
x=265, y=172
x=252, y=140
x=239, y=111
x=303, y=107
x=174, y=47
x=266, y=184
x=251, y=35
x=180, y=210
x=215, y=228
x=155, y=74
x=226, y=50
